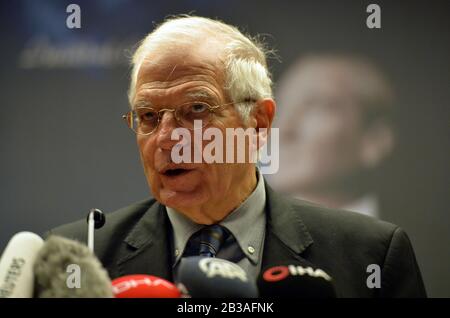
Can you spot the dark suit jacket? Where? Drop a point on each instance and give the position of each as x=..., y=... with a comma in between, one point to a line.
x=135, y=240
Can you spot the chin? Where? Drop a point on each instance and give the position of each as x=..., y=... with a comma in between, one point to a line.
x=181, y=200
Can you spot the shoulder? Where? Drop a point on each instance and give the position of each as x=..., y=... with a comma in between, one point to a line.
x=349, y=238
x=327, y=225
x=346, y=244
x=346, y=224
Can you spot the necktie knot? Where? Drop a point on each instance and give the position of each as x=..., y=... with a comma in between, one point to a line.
x=211, y=239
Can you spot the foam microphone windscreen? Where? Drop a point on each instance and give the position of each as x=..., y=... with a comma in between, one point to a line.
x=206, y=277
x=295, y=281
x=68, y=269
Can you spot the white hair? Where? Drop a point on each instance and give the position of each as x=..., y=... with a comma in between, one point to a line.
x=247, y=77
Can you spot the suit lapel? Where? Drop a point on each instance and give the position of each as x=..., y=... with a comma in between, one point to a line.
x=147, y=248
x=286, y=235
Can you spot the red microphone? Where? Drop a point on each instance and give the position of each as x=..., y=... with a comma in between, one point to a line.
x=144, y=286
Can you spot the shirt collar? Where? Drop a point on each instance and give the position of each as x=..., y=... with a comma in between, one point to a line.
x=247, y=224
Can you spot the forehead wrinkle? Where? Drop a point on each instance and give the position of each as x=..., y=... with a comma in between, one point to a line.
x=171, y=72
x=156, y=76
x=163, y=72
x=210, y=81
x=200, y=89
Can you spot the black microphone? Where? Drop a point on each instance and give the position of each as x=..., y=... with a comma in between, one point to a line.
x=295, y=281
x=208, y=277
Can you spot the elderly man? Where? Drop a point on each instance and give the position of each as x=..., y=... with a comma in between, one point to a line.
x=196, y=68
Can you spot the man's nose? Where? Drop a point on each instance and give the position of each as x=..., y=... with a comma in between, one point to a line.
x=167, y=124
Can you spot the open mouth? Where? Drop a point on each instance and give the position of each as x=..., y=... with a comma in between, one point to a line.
x=175, y=172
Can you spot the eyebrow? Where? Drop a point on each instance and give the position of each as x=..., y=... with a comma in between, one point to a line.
x=200, y=95
x=142, y=103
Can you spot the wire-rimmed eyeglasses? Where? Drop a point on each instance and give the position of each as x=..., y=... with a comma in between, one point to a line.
x=145, y=120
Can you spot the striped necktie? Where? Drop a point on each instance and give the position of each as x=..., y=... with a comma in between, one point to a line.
x=211, y=239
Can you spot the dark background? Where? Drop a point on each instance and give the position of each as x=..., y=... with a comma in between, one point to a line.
x=65, y=149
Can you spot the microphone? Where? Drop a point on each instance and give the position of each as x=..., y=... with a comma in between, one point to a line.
x=144, y=286
x=207, y=277
x=295, y=281
x=68, y=269
x=95, y=219
x=16, y=265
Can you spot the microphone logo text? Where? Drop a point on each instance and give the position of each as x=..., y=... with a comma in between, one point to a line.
x=212, y=267
x=278, y=273
x=133, y=283
x=12, y=276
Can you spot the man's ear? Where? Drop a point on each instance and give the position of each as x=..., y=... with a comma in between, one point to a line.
x=262, y=119
x=377, y=143
x=264, y=113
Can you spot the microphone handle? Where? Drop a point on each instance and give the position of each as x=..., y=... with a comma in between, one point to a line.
x=91, y=228
x=95, y=220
